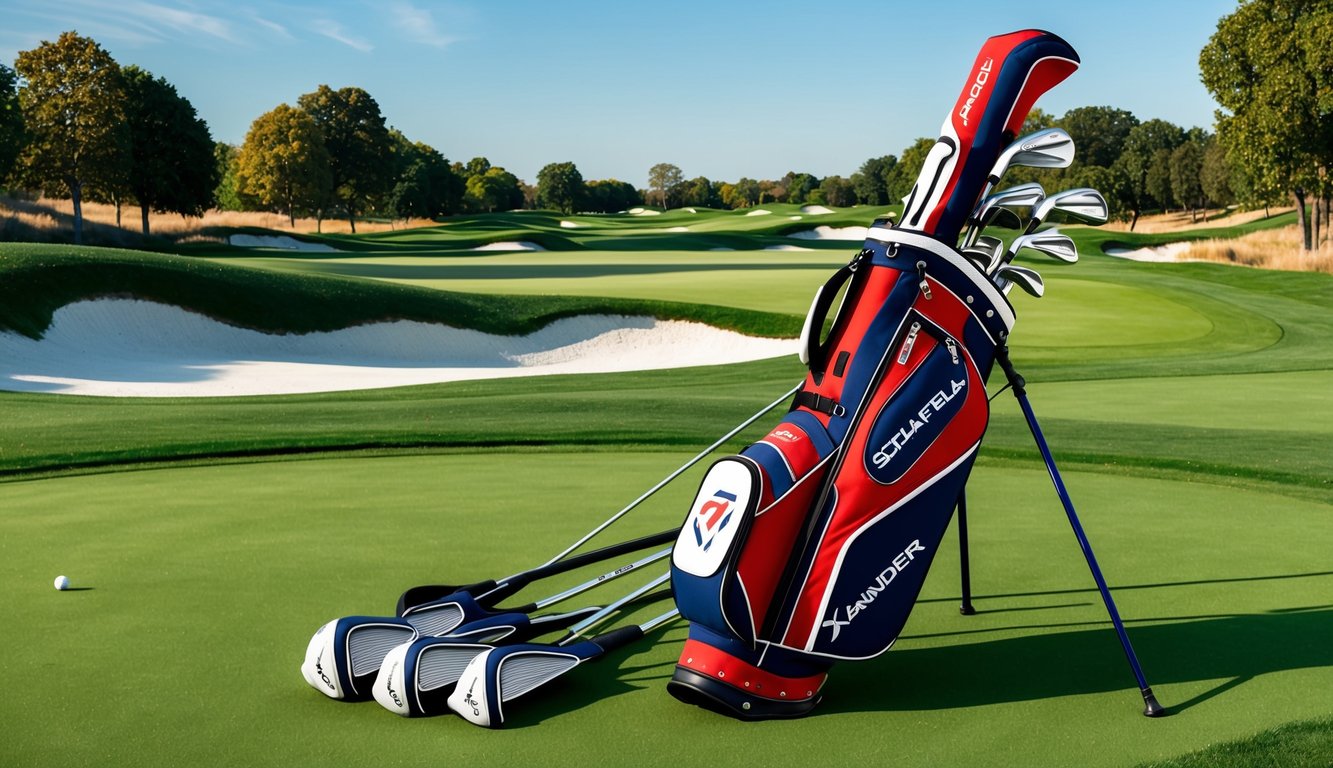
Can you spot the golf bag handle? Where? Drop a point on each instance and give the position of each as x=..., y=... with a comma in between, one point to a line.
x=815, y=352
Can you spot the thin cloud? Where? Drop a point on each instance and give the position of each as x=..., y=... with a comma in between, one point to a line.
x=268, y=24
x=417, y=25
x=334, y=31
x=153, y=14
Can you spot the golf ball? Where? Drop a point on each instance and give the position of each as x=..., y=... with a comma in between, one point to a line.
x=62, y=583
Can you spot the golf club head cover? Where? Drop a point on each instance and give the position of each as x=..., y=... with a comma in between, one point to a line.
x=803, y=552
x=1011, y=72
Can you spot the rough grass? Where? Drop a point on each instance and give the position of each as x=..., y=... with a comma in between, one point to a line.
x=1306, y=744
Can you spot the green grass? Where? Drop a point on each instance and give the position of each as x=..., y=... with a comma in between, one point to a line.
x=1307, y=744
x=1187, y=404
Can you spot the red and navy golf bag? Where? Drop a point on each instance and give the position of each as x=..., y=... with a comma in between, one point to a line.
x=811, y=545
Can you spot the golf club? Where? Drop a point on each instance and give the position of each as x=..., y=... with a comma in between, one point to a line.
x=998, y=208
x=1081, y=204
x=1049, y=148
x=983, y=251
x=502, y=674
x=416, y=678
x=344, y=654
x=1027, y=279
x=494, y=590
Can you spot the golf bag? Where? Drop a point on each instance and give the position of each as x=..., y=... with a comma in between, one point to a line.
x=811, y=545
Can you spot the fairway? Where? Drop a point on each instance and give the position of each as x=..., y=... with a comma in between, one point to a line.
x=207, y=538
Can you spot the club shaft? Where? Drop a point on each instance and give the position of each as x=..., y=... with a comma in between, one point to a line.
x=677, y=473
x=614, y=607
x=608, y=576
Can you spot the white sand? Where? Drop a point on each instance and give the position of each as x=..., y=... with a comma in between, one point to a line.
x=758, y=212
x=1161, y=253
x=278, y=241
x=832, y=233
x=794, y=218
x=815, y=210
x=570, y=224
x=130, y=348
x=689, y=210
x=643, y=212
x=787, y=248
x=679, y=229
x=510, y=245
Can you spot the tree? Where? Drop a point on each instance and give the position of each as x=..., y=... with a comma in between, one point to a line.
x=1268, y=65
x=743, y=194
x=871, y=182
x=835, y=190
x=72, y=102
x=1215, y=175
x=1186, y=169
x=611, y=195
x=494, y=190
x=284, y=164
x=11, y=122
x=171, y=165
x=426, y=186
x=1140, y=158
x=661, y=179
x=1099, y=133
x=700, y=192
x=226, y=196
x=799, y=186
x=1157, y=178
x=358, y=145
x=560, y=186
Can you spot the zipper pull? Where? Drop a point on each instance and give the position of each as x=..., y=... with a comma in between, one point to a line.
x=953, y=349
x=909, y=342
x=921, y=272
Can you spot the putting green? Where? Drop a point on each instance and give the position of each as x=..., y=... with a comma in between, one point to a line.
x=205, y=583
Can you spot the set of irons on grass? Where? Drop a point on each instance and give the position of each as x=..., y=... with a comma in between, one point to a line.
x=451, y=648
x=1050, y=148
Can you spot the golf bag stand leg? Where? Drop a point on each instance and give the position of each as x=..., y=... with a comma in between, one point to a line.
x=965, y=571
x=1150, y=706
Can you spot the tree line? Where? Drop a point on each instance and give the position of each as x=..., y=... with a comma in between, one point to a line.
x=75, y=124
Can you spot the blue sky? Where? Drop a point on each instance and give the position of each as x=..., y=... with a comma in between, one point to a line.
x=721, y=89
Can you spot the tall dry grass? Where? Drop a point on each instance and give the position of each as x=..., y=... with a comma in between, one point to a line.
x=1176, y=221
x=52, y=220
x=1270, y=249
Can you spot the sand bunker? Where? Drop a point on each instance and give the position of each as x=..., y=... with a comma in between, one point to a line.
x=758, y=212
x=278, y=241
x=644, y=212
x=787, y=248
x=1162, y=253
x=570, y=224
x=815, y=210
x=510, y=245
x=832, y=233
x=130, y=348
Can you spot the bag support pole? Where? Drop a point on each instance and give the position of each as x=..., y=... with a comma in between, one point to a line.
x=1150, y=706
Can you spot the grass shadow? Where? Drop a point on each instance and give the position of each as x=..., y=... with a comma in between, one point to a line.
x=1040, y=666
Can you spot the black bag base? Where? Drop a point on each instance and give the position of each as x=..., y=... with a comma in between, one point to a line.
x=716, y=696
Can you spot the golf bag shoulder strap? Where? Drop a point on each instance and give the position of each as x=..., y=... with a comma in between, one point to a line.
x=814, y=353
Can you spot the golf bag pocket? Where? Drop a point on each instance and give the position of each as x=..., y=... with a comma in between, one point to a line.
x=744, y=519
x=712, y=536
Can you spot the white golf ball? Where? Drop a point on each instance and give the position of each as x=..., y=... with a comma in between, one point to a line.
x=62, y=583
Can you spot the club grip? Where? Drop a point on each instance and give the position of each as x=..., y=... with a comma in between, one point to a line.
x=426, y=593
x=618, y=638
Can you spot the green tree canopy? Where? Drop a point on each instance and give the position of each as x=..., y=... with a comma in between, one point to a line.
x=425, y=186
x=662, y=178
x=358, y=145
x=1268, y=65
x=1186, y=170
x=1099, y=133
x=743, y=194
x=871, y=182
x=1144, y=163
x=73, y=112
x=1215, y=175
x=171, y=164
x=225, y=196
x=611, y=195
x=11, y=122
x=283, y=163
x=835, y=190
x=560, y=186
